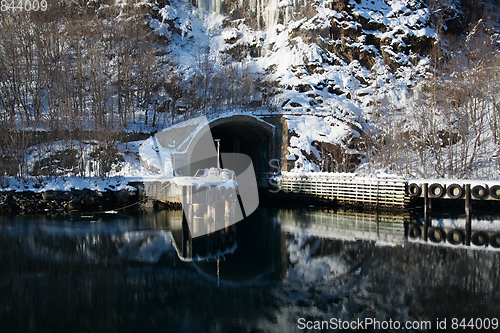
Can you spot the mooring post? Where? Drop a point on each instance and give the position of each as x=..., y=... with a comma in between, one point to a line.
x=426, y=211
x=468, y=224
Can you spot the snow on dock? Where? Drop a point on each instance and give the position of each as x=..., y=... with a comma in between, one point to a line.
x=347, y=187
x=383, y=190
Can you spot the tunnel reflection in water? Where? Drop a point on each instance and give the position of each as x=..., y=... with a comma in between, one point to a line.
x=206, y=247
x=122, y=273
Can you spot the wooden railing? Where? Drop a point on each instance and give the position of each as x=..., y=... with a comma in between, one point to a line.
x=347, y=188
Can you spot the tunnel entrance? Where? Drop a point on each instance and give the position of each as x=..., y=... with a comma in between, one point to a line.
x=239, y=134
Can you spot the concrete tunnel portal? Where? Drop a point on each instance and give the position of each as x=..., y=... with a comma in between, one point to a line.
x=238, y=134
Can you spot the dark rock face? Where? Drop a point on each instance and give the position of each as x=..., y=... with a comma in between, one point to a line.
x=61, y=201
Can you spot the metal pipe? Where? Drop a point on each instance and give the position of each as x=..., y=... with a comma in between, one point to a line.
x=468, y=222
x=218, y=153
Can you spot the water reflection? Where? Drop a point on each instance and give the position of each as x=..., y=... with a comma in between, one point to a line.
x=210, y=246
x=122, y=272
x=381, y=227
x=447, y=229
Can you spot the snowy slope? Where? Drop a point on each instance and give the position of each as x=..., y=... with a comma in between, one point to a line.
x=301, y=57
x=333, y=59
x=355, y=79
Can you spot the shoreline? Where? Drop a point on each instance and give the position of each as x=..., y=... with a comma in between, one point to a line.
x=105, y=200
x=50, y=201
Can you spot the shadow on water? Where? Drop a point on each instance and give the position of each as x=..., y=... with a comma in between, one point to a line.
x=122, y=272
x=257, y=256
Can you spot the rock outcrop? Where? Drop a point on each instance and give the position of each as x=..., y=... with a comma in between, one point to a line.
x=65, y=201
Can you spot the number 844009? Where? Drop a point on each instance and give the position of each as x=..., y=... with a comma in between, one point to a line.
x=26, y=5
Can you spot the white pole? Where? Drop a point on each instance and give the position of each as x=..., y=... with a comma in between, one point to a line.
x=173, y=160
x=218, y=153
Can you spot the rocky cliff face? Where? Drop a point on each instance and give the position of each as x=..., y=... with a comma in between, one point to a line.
x=335, y=59
x=373, y=77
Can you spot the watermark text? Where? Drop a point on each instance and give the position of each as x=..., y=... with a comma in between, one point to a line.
x=374, y=324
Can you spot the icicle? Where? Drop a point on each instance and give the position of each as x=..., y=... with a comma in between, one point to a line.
x=210, y=5
x=265, y=11
x=215, y=6
x=203, y=5
x=288, y=11
x=271, y=12
x=258, y=15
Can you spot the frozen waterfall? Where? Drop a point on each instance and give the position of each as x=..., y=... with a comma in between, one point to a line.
x=267, y=11
x=210, y=5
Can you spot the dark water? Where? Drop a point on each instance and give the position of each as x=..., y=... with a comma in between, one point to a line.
x=291, y=269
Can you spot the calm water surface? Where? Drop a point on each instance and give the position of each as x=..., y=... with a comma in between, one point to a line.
x=121, y=273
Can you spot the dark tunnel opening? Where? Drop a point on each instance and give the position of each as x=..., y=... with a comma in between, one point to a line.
x=242, y=137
